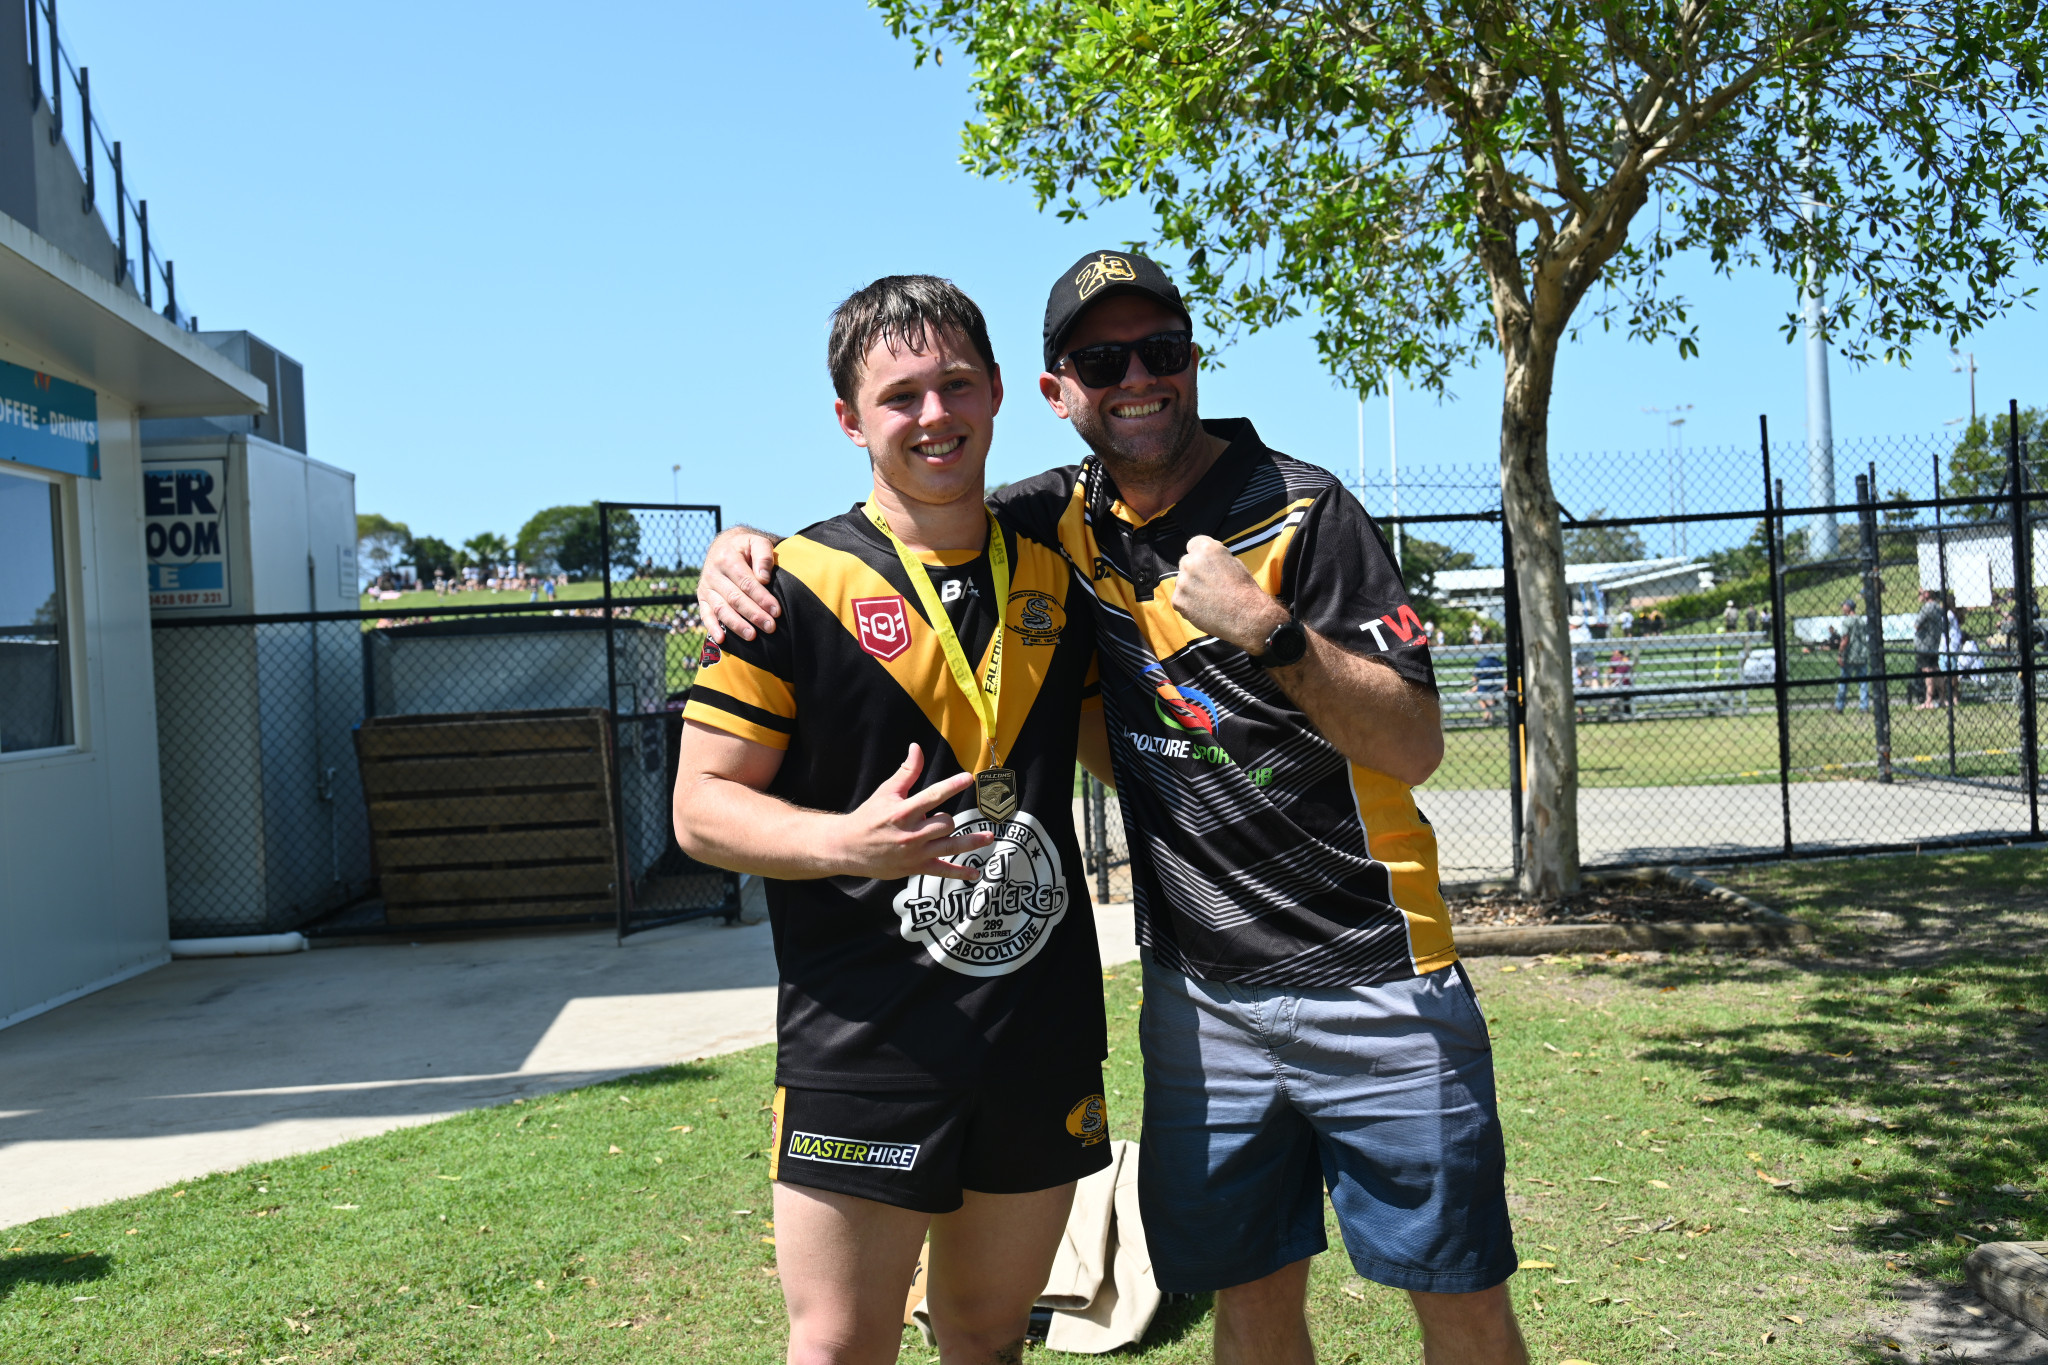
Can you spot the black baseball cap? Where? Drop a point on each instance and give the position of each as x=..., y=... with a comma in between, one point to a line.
x=1095, y=277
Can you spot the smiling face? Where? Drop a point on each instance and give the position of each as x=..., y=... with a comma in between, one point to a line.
x=925, y=417
x=1146, y=426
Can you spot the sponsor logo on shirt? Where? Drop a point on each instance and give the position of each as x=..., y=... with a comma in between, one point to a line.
x=1089, y=1121
x=1180, y=706
x=888, y=1156
x=710, y=655
x=1403, y=624
x=883, y=626
x=993, y=926
x=1040, y=620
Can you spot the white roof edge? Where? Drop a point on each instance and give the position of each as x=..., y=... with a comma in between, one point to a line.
x=85, y=327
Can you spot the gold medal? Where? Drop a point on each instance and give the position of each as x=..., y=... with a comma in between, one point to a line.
x=997, y=789
x=996, y=792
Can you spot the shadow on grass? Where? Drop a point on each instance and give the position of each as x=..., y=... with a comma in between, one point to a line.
x=1931, y=1073
x=49, y=1267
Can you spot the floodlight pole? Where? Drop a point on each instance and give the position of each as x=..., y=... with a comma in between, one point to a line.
x=1820, y=420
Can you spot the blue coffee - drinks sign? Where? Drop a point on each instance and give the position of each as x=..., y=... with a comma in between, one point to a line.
x=48, y=422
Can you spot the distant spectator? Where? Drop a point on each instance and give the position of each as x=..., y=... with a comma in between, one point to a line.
x=1624, y=622
x=1763, y=618
x=1749, y=618
x=1854, y=655
x=1929, y=628
x=1730, y=618
x=1476, y=632
x=1489, y=683
x=1582, y=652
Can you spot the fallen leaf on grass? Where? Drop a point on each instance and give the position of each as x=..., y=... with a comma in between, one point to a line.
x=1537, y=1265
x=682, y=1128
x=615, y=1150
x=447, y=1177
x=1772, y=1180
x=1659, y=1185
x=1795, y=1319
x=344, y=1206
x=1770, y=1337
x=1754, y=1156
x=1511, y=969
x=769, y=1240
x=1602, y=1180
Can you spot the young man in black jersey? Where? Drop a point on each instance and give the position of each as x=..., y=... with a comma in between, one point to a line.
x=1269, y=703
x=898, y=761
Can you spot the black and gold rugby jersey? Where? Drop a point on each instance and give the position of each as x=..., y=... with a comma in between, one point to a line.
x=1259, y=854
x=930, y=983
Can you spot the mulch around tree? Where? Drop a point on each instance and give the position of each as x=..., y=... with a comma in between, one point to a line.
x=1617, y=903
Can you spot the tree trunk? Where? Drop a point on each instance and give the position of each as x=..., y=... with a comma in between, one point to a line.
x=1550, y=806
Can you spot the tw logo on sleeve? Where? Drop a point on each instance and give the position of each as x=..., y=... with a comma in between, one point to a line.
x=1405, y=626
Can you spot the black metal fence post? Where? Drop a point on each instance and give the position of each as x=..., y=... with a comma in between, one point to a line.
x=622, y=881
x=1774, y=504
x=1511, y=689
x=85, y=135
x=1098, y=828
x=1873, y=611
x=120, y=217
x=142, y=225
x=56, y=82
x=2023, y=612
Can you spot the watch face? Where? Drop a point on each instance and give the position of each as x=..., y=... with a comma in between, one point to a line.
x=1285, y=645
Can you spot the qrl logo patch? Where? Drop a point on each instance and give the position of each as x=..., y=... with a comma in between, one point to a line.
x=883, y=626
x=993, y=926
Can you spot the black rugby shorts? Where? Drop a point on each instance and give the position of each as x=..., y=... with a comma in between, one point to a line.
x=921, y=1149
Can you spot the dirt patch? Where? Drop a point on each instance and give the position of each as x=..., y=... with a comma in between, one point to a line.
x=1941, y=1322
x=1624, y=903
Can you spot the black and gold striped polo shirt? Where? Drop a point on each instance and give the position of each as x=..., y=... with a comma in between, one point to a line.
x=929, y=983
x=1259, y=854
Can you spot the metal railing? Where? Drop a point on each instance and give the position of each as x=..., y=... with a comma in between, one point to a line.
x=48, y=78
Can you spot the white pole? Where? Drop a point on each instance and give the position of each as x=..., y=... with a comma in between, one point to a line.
x=1820, y=420
x=1394, y=471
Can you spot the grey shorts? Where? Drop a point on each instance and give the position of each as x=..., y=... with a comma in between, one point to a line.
x=1259, y=1098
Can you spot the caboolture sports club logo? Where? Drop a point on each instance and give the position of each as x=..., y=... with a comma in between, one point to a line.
x=1190, y=717
x=883, y=626
x=993, y=926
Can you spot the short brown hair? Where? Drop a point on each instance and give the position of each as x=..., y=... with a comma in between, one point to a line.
x=900, y=310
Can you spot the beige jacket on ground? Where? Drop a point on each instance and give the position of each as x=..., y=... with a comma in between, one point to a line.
x=1101, y=1290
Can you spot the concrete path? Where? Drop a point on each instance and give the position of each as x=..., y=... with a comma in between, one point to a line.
x=209, y=1064
x=1702, y=824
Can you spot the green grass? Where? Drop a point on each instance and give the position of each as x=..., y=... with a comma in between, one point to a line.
x=1883, y=1104
x=1743, y=747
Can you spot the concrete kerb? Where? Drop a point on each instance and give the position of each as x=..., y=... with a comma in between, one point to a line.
x=1766, y=928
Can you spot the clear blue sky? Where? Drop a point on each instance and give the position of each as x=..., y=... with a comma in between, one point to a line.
x=533, y=255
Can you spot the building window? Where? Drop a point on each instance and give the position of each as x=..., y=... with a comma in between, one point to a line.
x=35, y=676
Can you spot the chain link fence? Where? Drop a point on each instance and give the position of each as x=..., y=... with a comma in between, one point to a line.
x=421, y=765
x=1773, y=656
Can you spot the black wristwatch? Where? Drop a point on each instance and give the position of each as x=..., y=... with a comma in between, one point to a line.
x=1284, y=646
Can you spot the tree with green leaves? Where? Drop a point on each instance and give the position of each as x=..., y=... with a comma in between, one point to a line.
x=565, y=540
x=487, y=550
x=380, y=541
x=1422, y=560
x=1603, y=544
x=1438, y=181
x=1978, y=466
x=430, y=554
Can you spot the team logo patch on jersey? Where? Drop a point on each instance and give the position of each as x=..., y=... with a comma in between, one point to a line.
x=1089, y=1121
x=883, y=626
x=993, y=926
x=710, y=655
x=888, y=1156
x=1035, y=618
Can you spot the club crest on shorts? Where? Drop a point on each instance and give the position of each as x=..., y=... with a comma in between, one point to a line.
x=993, y=926
x=883, y=626
x=1088, y=1121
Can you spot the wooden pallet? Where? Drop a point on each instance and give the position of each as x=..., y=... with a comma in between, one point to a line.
x=491, y=816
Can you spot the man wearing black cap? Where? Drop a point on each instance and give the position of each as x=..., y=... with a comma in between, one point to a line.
x=1269, y=703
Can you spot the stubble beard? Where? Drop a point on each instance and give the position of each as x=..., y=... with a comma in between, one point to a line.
x=1151, y=463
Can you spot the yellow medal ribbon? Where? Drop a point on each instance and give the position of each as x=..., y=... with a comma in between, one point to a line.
x=986, y=696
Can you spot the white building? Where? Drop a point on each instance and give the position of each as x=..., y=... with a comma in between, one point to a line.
x=82, y=360
x=1596, y=589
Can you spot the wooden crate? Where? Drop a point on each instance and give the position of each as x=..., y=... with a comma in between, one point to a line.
x=491, y=816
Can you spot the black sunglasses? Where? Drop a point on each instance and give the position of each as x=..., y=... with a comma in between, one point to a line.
x=1104, y=366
